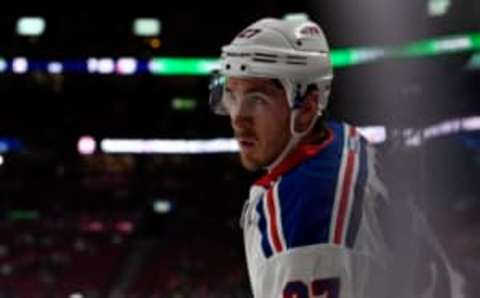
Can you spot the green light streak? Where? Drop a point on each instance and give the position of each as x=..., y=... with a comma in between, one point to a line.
x=340, y=58
x=182, y=66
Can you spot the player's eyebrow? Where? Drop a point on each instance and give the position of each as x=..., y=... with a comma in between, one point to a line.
x=252, y=89
x=261, y=88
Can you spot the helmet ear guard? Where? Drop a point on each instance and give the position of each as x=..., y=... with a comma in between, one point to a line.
x=298, y=93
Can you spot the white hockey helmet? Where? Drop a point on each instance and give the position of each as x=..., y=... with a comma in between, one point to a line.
x=295, y=52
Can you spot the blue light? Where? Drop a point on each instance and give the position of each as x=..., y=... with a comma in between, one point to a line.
x=10, y=145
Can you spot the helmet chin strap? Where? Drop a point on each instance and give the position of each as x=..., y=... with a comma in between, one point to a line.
x=296, y=137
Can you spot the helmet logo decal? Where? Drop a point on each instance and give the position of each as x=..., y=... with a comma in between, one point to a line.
x=249, y=33
x=311, y=30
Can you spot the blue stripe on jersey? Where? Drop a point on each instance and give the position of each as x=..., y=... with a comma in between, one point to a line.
x=307, y=195
x=262, y=225
x=357, y=208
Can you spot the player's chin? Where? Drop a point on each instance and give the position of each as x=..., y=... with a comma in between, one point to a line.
x=250, y=163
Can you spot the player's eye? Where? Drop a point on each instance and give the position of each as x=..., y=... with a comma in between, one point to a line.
x=258, y=99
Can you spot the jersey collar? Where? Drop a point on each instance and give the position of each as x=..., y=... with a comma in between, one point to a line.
x=302, y=152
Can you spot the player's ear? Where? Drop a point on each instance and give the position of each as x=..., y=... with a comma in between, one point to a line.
x=307, y=111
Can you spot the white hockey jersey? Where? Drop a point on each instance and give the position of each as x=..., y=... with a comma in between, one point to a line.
x=311, y=224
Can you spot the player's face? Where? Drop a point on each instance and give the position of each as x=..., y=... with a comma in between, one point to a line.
x=259, y=115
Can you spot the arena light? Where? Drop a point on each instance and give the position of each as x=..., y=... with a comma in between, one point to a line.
x=55, y=67
x=147, y=27
x=126, y=66
x=30, y=26
x=340, y=57
x=474, y=62
x=86, y=145
x=300, y=16
x=19, y=65
x=10, y=145
x=471, y=123
x=374, y=134
x=442, y=129
x=349, y=57
x=445, y=45
x=182, y=66
x=92, y=65
x=184, y=104
x=95, y=226
x=106, y=65
x=3, y=65
x=169, y=146
x=438, y=8
x=2, y=160
x=23, y=215
x=445, y=128
x=168, y=66
x=76, y=295
x=125, y=226
x=429, y=47
x=461, y=43
x=363, y=55
x=162, y=206
x=155, y=43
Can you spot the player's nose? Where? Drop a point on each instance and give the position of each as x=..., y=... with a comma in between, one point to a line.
x=240, y=121
x=241, y=115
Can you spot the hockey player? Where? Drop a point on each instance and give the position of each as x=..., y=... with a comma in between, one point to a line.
x=310, y=225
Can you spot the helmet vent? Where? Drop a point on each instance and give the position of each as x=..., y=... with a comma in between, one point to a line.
x=231, y=54
x=296, y=60
x=265, y=55
x=265, y=58
x=294, y=57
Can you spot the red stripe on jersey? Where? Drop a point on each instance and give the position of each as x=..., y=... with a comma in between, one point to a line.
x=303, y=152
x=346, y=187
x=272, y=211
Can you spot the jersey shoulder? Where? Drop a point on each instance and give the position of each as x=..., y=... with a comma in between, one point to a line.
x=321, y=199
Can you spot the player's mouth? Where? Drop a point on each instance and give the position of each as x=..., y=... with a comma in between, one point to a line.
x=246, y=144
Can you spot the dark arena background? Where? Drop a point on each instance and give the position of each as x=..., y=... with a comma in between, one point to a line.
x=117, y=181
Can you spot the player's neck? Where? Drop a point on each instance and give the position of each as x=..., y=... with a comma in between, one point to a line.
x=314, y=137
